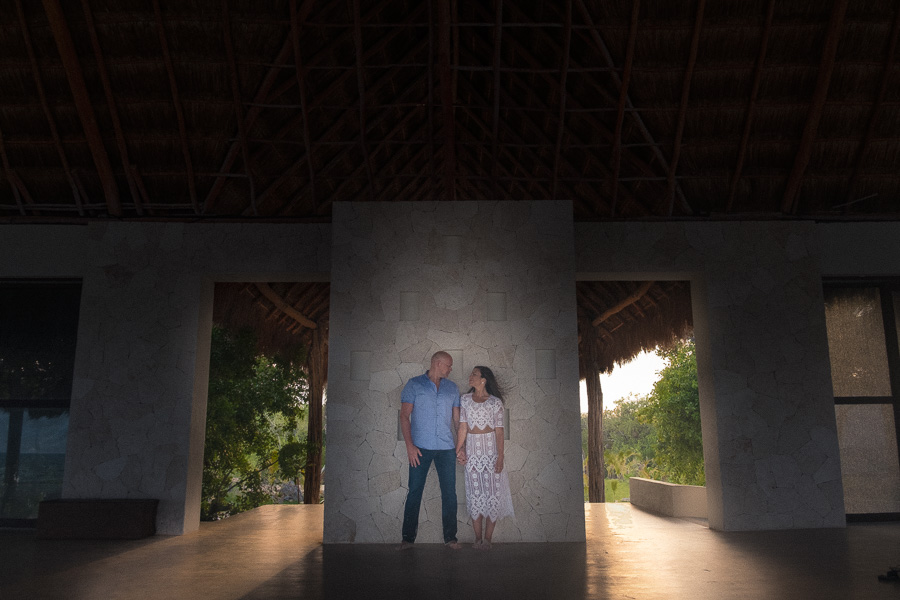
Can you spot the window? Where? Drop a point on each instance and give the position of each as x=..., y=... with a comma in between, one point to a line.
x=38, y=326
x=862, y=320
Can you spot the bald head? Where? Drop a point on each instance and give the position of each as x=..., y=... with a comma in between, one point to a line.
x=441, y=365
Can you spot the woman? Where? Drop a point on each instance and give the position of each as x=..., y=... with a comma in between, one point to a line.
x=481, y=430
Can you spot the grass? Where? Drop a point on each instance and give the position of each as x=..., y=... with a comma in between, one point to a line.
x=622, y=490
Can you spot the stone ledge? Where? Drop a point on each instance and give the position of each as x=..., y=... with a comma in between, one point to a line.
x=96, y=518
x=669, y=499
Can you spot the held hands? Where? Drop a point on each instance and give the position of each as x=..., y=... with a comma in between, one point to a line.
x=461, y=456
x=413, y=453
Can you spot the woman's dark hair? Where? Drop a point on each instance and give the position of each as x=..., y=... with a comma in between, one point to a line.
x=490, y=383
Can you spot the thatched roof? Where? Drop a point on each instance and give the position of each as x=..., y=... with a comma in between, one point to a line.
x=276, y=109
x=619, y=319
x=282, y=315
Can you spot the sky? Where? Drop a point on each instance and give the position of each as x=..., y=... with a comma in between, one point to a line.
x=636, y=377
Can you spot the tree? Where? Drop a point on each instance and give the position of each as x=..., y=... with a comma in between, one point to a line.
x=630, y=445
x=254, y=407
x=673, y=409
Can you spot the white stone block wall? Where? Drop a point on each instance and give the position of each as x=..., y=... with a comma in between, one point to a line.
x=138, y=412
x=452, y=257
x=770, y=441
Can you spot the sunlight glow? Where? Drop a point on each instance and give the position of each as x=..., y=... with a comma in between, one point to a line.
x=636, y=377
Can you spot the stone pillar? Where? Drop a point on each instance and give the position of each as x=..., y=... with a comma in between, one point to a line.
x=493, y=284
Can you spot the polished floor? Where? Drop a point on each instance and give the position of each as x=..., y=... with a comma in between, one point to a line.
x=276, y=552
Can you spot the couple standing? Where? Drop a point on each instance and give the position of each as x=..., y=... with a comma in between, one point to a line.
x=432, y=414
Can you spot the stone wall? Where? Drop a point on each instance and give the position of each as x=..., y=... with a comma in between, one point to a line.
x=138, y=412
x=770, y=442
x=493, y=283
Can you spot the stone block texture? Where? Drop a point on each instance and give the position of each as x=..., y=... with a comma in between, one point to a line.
x=770, y=442
x=453, y=257
x=138, y=411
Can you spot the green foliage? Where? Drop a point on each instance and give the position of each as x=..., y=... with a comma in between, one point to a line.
x=628, y=443
x=673, y=409
x=254, y=409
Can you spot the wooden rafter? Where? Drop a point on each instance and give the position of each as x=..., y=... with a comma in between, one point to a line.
x=751, y=106
x=682, y=107
x=361, y=86
x=790, y=202
x=112, y=107
x=385, y=80
x=331, y=132
x=283, y=306
x=51, y=122
x=597, y=125
x=7, y=170
x=876, y=108
x=250, y=117
x=334, y=128
x=301, y=87
x=495, y=127
x=432, y=171
x=625, y=303
x=563, y=75
x=594, y=32
x=446, y=84
x=179, y=110
x=83, y=105
x=236, y=100
x=620, y=108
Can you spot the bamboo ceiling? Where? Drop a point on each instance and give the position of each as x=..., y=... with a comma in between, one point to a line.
x=276, y=109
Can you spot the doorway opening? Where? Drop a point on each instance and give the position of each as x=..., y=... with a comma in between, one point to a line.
x=655, y=435
x=265, y=408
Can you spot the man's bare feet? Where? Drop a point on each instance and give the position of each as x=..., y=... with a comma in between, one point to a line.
x=404, y=545
x=454, y=545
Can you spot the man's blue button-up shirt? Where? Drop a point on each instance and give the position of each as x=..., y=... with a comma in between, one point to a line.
x=432, y=416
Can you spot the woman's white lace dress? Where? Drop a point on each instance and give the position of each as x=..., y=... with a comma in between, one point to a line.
x=487, y=492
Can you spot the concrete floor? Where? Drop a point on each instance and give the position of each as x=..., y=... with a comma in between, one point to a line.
x=276, y=552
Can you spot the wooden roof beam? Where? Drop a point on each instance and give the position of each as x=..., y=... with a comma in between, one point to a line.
x=361, y=86
x=563, y=75
x=113, y=109
x=512, y=135
x=495, y=134
x=682, y=108
x=526, y=55
x=790, y=202
x=301, y=87
x=876, y=107
x=7, y=170
x=625, y=303
x=236, y=100
x=266, y=87
x=51, y=122
x=445, y=76
x=620, y=108
x=179, y=110
x=283, y=306
x=430, y=81
x=751, y=105
x=385, y=79
x=83, y=105
x=638, y=120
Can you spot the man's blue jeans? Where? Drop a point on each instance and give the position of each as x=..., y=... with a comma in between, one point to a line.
x=445, y=465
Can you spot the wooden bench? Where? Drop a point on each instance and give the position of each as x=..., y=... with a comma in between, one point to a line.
x=97, y=518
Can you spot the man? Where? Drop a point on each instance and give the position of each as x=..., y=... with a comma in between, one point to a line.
x=429, y=418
